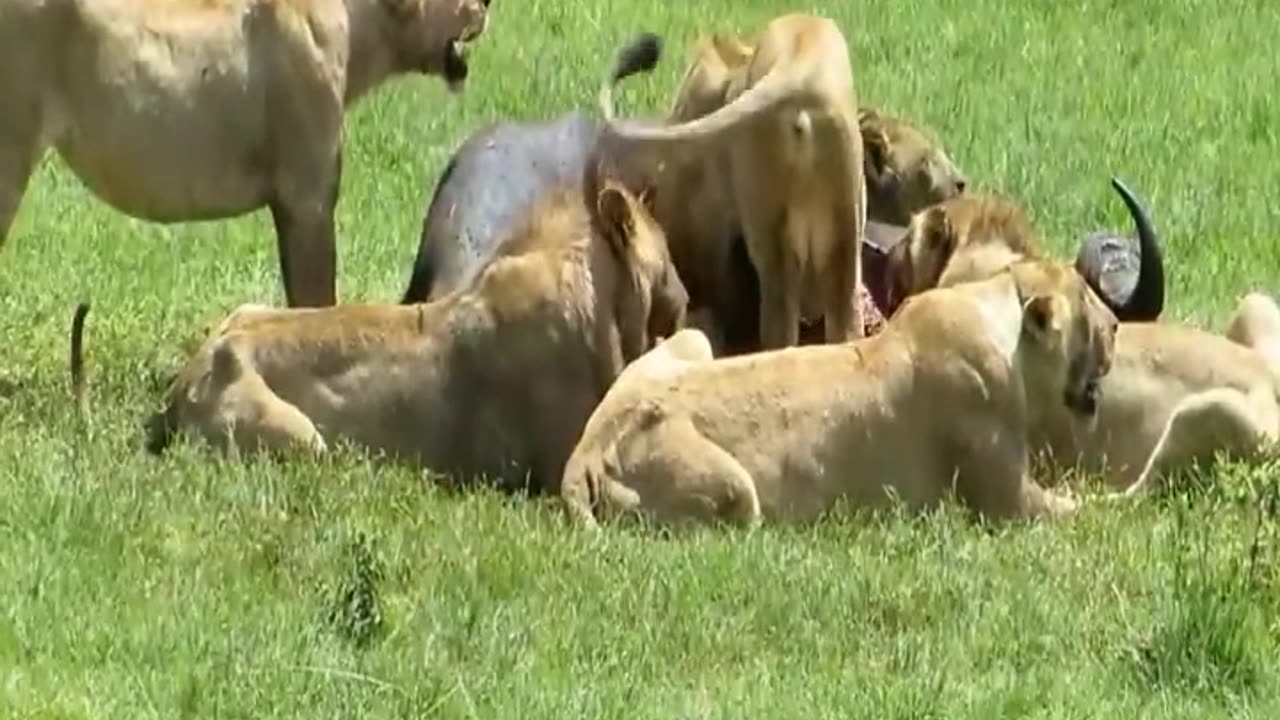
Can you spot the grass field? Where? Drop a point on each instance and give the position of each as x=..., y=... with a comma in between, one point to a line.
x=139, y=588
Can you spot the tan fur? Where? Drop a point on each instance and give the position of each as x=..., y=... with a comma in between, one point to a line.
x=906, y=170
x=1175, y=396
x=788, y=434
x=962, y=239
x=716, y=60
x=794, y=158
x=178, y=110
x=494, y=380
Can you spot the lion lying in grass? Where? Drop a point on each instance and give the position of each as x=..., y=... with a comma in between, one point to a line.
x=1175, y=395
x=495, y=380
x=175, y=110
x=938, y=400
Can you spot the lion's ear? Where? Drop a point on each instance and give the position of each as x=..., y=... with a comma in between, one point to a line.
x=875, y=148
x=616, y=219
x=1040, y=316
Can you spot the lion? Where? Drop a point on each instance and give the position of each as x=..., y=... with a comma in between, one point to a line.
x=791, y=143
x=1176, y=396
x=493, y=381
x=972, y=236
x=181, y=110
x=906, y=168
x=752, y=437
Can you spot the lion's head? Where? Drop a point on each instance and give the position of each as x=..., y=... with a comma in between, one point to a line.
x=906, y=168
x=430, y=36
x=962, y=239
x=1068, y=336
x=970, y=237
x=651, y=300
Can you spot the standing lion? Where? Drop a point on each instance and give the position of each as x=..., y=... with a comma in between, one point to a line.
x=793, y=149
x=178, y=110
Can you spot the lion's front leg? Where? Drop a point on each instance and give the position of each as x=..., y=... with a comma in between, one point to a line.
x=308, y=177
x=19, y=150
x=251, y=419
x=995, y=478
x=306, y=242
x=235, y=409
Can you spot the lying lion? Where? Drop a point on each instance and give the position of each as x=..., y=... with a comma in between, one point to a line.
x=1175, y=395
x=495, y=380
x=794, y=158
x=787, y=434
x=176, y=110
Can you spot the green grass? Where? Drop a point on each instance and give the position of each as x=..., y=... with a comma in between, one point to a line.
x=182, y=587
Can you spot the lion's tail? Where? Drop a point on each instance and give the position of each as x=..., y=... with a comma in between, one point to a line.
x=639, y=55
x=783, y=86
x=77, y=359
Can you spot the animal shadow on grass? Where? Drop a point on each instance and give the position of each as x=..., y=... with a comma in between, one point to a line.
x=1207, y=636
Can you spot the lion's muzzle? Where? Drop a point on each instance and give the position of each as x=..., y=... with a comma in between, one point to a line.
x=1085, y=400
x=454, y=62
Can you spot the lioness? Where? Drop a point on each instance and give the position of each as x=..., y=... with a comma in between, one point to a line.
x=495, y=380
x=1175, y=395
x=972, y=237
x=749, y=437
x=794, y=155
x=905, y=170
x=178, y=110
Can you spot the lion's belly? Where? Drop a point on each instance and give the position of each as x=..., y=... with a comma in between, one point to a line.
x=860, y=465
x=164, y=127
x=823, y=443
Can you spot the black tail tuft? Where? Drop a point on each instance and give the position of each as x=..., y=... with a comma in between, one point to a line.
x=77, y=355
x=639, y=55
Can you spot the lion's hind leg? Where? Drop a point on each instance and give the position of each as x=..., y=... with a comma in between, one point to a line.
x=678, y=474
x=1255, y=324
x=843, y=308
x=1219, y=420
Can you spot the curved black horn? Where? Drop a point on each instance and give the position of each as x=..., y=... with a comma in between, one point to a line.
x=1105, y=259
x=1147, y=300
